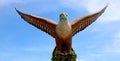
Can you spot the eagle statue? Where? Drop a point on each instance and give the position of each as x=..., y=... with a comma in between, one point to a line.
x=64, y=30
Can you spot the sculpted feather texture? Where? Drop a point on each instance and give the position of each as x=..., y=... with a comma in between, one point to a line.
x=63, y=31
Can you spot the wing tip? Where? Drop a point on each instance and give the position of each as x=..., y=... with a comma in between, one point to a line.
x=19, y=12
x=105, y=8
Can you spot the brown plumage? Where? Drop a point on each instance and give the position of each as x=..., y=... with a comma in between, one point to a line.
x=63, y=43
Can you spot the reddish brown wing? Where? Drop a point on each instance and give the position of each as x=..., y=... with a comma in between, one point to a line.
x=44, y=24
x=81, y=23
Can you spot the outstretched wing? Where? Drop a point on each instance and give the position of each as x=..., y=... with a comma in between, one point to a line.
x=81, y=23
x=44, y=24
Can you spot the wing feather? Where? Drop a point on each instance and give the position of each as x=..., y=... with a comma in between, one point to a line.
x=45, y=25
x=81, y=23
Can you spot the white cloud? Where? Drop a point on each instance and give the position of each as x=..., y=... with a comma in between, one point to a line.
x=73, y=4
x=117, y=35
x=32, y=49
x=114, y=47
x=79, y=59
x=7, y=2
x=112, y=12
x=39, y=48
x=111, y=49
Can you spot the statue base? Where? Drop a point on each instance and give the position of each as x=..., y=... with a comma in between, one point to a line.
x=66, y=56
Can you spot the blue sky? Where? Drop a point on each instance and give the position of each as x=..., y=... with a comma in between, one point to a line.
x=19, y=41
